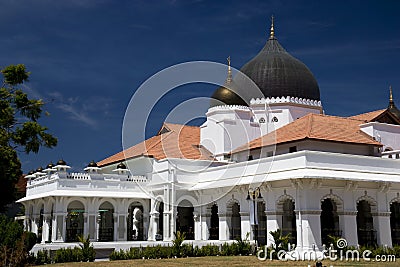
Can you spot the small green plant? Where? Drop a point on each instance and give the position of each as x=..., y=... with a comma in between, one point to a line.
x=88, y=251
x=280, y=241
x=177, y=243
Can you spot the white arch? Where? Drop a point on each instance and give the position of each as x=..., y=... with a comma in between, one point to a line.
x=104, y=200
x=191, y=199
x=80, y=199
x=338, y=200
x=281, y=200
x=371, y=201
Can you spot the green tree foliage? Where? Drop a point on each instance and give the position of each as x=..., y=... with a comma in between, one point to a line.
x=19, y=129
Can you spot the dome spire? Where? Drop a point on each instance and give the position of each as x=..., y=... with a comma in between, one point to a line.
x=229, y=77
x=272, y=31
x=390, y=95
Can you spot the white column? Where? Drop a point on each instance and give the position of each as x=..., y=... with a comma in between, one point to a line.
x=311, y=229
x=98, y=218
x=197, y=226
x=35, y=224
x=272, y=224
x=348, y=222
x=223, y=226
x=382, y=225
x=245, y=225
x=85, y=225
x=152, y=226
x=64, y=227
x=116, y=222
x=205, y=222
x=54, y=228
x=45, y=228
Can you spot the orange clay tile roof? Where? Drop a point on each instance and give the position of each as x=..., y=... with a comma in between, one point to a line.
x=172, y=141
x=369, y=116
x=314, y=126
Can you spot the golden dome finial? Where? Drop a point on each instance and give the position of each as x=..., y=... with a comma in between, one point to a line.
x=229, y=77
x=390, y=94
x=272, y=31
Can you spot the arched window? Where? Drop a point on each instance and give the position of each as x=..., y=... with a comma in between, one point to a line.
x=365, y=224
x=135, y=222
x=185, y=220
x=214, y=223
x=74, y=222
x=329, y=221
x=106, y=222
x=395, y=222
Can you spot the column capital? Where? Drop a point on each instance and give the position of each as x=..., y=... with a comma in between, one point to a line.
x=348, y=212
x=381, y=213
x=244, y=213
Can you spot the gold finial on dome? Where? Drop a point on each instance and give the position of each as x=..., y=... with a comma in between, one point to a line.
x=272, y=31
x=229, y=77
x=390, y=94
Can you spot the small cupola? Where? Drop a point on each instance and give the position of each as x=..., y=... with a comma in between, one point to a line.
x=61, y=166
x=92, y=167
x=121, y=169
x=50, y=168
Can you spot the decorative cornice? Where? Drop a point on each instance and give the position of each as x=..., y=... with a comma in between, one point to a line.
x=285, y=99
x=228, y=107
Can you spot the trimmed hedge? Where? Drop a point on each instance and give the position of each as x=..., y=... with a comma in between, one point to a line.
x=186, y=250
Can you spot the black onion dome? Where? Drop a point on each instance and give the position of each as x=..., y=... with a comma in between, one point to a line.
x=225, y=95
x=31, y=172
x=50, y=165
x=61, y=162
x=278, y=74
x=40, y=169
x=121, y=166
x=92, y=164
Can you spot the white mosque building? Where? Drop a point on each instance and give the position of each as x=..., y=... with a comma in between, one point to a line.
x=309, y=174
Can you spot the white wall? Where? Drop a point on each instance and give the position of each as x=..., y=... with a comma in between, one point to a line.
x=387, y=134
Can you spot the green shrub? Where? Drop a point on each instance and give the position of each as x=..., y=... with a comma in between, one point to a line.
x=42, y=257
x=29, y=240
x=88, y=252
x=177, y=243
x=208, y=250
x=68, y=255
x=10, y=232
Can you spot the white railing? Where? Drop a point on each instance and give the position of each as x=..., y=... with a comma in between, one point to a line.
x=394, y=154
x=137, y=179
x=78, y=176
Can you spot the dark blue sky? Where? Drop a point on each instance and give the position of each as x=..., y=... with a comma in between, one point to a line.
x=87, y=57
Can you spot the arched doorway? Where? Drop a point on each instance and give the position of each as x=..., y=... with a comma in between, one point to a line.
x=235, y=229
x=135, y=222
x=395, y=222
x=106, y=222
x=74, y=227
x=289, y=220
x=185, y=220
x=365, y=224
x=214, y=223
x=262, y=223
x=329, y=221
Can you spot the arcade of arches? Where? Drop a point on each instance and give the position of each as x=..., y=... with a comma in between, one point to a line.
x=108, y=223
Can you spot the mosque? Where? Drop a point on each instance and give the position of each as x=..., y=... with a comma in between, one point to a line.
x=256, y=165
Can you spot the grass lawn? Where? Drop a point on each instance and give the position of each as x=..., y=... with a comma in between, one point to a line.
x=229, y=261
